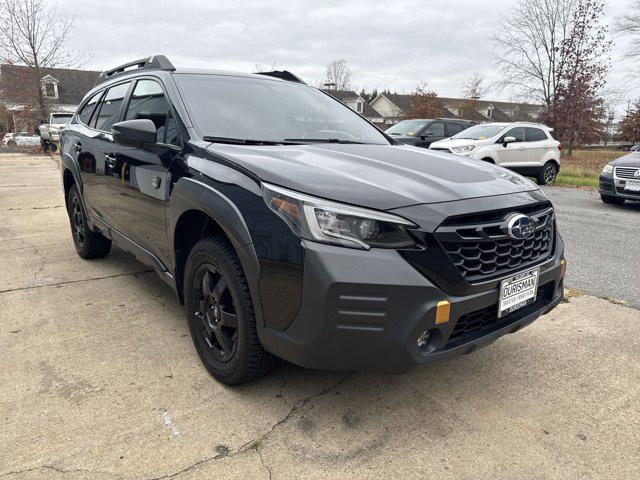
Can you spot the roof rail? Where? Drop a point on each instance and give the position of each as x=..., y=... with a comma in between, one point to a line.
x=156, y=62
x=283, y=75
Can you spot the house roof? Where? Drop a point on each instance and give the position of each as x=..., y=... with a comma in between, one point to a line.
x=400, y=100
x=342, y=95
x=72, y=84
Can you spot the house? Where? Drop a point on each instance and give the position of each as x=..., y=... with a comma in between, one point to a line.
x=62, y=90
x=394, y=106
x=356, y=103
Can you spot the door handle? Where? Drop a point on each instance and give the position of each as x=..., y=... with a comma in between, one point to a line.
x=110, y=160
x=77, y=147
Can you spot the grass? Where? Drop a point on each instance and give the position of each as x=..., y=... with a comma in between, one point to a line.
x=583, y=167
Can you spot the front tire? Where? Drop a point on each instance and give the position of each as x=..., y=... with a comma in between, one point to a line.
x=548, y=173
x=88, y=244
x=612, y=200
x=220, y=314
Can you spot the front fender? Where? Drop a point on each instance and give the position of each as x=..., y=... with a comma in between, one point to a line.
x=195, y=194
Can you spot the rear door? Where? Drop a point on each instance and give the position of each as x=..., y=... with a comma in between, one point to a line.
x=453, y=128
x=109, y=110
x=140, y=178
x=81, y=146
x=537, y=144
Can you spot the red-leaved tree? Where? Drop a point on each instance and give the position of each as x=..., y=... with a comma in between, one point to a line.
x=630, y=124
x=577, y=111
x=424, y=103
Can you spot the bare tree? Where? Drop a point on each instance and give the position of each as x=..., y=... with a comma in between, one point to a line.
x=34, y=35
x=528, y=45
x=338, y=75
x=629, y=24
x=259, y=68
x=474, y=88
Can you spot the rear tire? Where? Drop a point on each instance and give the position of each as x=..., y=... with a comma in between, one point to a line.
x=88, y=244
x=612, y=200
x=548, y=173
x=220, y=314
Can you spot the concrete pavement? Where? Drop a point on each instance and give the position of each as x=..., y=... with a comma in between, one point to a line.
x=99, y=380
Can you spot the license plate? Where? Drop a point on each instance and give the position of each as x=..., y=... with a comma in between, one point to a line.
x=632, y=185
x=518, y=291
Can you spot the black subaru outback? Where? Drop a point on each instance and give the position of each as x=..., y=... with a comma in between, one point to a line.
x=291, y=227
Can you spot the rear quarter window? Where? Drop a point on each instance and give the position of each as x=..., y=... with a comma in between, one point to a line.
x=535, y=135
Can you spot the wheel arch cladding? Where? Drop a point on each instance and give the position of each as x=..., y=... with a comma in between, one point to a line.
x=67, y=181
x=197, y=210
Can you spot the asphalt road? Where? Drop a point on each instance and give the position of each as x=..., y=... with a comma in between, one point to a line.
x=602, y=243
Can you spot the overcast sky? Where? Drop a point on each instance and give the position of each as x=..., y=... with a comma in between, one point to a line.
x=388, y=44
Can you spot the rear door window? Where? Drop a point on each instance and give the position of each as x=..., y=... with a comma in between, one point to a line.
x=84, y=115
x=110, y=107
x=436, y=129
x=149, y=102
x=535, y=135
x=453, y=128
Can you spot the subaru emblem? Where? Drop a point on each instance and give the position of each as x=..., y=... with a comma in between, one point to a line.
x=520, y=226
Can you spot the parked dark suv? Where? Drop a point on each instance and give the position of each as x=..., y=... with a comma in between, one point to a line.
x=291, y=227
x=423, y=132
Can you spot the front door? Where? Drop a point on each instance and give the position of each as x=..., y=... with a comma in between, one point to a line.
x=431, y=133
x=513, y=153
x=140, y=177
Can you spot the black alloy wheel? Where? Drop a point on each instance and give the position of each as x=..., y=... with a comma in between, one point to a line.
x=217, y=312
x=220, y=314
x=78, y=227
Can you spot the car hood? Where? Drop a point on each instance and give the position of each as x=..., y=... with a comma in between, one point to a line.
x=376, y=176
x=630, y=160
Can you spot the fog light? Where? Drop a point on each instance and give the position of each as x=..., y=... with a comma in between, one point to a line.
x=443, y=309
x=423, y=339
x=563, y=267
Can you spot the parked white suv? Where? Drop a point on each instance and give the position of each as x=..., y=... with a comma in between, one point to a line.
x=22, y=139
x=527, y=148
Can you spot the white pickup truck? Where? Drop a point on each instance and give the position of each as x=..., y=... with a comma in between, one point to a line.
x=50, y=132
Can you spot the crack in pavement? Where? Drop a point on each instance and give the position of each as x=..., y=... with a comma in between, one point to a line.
x=255, y=444
x=60, y=470
x=16, y=209
x=70, y=282
x=259, y=452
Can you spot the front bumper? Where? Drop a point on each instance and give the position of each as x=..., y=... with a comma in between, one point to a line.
x=614, y=187
x=366, y=310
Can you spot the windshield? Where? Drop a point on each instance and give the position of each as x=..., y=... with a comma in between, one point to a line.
x=58, y=118
x=255, y=109
x=407, y=127
x=480, y=132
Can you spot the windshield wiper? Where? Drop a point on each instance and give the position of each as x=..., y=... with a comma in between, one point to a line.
x=319, y=140
x=240, y=141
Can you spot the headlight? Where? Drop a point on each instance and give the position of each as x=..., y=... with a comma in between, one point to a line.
x=463, y=149
x=607, y=169
x=335, y=223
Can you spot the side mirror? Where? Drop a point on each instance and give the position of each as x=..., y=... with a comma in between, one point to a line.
x=134, y=133
x=507, y=140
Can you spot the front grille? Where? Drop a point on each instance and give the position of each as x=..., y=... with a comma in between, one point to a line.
x=480, y=248
x=440, y=149
x=484, y=321
x=606, y=186
x=627, y=172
